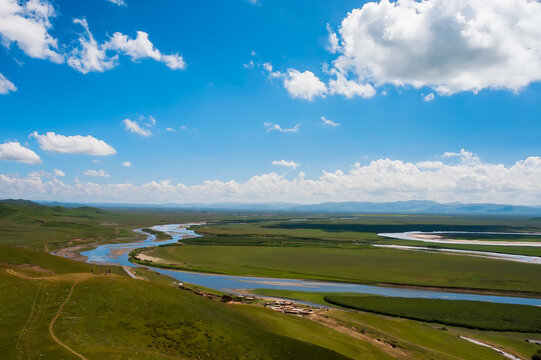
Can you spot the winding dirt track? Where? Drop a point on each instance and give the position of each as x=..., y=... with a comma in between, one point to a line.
x=51, y=325
x=56, y=317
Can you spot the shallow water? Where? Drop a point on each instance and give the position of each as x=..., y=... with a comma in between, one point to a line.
x=229, y=283
x=409, y=235
x=483, y=254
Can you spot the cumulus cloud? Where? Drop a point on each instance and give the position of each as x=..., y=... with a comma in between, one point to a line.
x=92, y=56
x=450, y=46
x=466, y=157
x=14, y=151
x=379, y=180
x=342, y=86
x=134, y=127
x=327, y=122
x=6, y=86
x=304, y=85
x=76, y=144
x=27, y=24
x=96, y=173
x=275, y=127
x=126, y=164
x=290, y=164
x=170, y=129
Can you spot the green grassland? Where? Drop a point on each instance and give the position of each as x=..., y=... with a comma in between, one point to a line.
x=412, y=333
x=362, y=230
x=115, y=316
x=358, y=265
x=434, y=341
x=472, y=314
x=109, y=316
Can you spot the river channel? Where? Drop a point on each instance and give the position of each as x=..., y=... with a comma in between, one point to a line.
x=119, y=254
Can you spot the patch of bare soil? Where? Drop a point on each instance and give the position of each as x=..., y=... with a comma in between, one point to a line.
x=73, y=252
x=144, y=257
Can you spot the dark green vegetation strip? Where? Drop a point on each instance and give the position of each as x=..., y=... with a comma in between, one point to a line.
x=388, y=228
x=470, y=314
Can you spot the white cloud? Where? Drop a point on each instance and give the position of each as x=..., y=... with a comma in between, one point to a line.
x=151, y=120
x=126, y=164
x=27, y=23
x=429, y=97
x=275, y=127
x=334, y=43
x=349, y=88
x=92, y=56
x=430, y=164
x=118, y=2
x=134, y=127
x=290, y=164
x=304, y=85
x=96, y=173
x=14, y=151
x=5, y=85
x=249, y=65
x=141, y=47
x=267, y=67
x=47, y=175
x=379, y=180
x=76, y=144
x=466, y=157
x=328, y=122
x=170, y=129
x=450, y=46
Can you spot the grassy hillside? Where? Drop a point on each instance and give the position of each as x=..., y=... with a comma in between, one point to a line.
x=110, y=316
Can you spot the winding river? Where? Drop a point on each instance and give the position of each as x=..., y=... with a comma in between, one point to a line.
x=119, y=254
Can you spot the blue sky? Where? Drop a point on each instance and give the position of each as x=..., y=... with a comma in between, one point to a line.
x=220, y=95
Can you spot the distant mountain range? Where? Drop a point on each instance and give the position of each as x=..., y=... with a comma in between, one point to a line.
x=399, y=207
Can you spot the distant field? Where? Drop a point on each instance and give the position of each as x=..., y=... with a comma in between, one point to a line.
x=24, y=223
x=471, y=314
x=359, y=265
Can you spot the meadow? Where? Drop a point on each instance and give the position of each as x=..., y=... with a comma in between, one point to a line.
x=471, y=314
x=54, y=307
x=359, y=264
